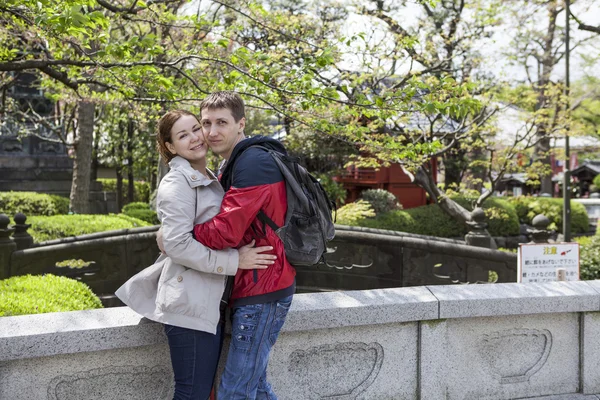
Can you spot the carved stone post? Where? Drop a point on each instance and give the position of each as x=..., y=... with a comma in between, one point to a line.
x=539, y=233
x=21, y=237
x=7, y=246
x=478, y=235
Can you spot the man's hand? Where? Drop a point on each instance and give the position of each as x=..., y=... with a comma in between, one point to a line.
x=159, y=241
x=254, y=258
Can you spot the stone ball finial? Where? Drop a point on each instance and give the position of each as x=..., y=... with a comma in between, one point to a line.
x=20, y=218
x=4, y=221
x=540, y=221
x=478, y=215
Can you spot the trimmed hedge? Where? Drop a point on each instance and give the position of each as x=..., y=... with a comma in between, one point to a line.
x=31, y=294
x=141, y=190
x=60, y=226
x=431, y=220
x=32, y=203
x=381, y=200
x=141, y=211
x=528, y=207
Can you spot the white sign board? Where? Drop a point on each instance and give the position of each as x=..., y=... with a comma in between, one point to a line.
x=543, y=262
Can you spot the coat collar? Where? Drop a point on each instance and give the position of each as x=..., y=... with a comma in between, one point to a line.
x=193, y=177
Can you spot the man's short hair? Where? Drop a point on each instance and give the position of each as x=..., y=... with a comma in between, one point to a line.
x=226, y=99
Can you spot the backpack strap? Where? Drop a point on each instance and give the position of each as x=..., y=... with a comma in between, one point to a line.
x=262, y=217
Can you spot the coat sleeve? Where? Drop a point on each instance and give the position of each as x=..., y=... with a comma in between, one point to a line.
x=176, y=205
x=239, y=208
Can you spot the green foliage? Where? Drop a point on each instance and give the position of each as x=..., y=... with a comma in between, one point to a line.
x=589, y=257
x=74, y=263
x=136, y=205
x=431, y=220
x=60, y=226
x=528, y=207
x=335, y=191
x=141, y=190
x=141, y=211
x=148, y=216
x=353, y=213
x=32, y=294
x=500, y=215
x=381, y=200
x=32, y=203
x=597, y=181
x=425, y=220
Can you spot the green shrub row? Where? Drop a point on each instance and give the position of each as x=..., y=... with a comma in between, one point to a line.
x=141, y=190
x=431, y=220
x=60, y=226
x=31, y=294
x=32, y=203
x=528, y=207
x=503, y=217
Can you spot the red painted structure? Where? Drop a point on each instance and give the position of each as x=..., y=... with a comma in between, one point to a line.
x=391, y=178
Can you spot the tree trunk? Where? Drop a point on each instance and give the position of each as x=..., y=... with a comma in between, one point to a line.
x=80, y=188
x=424, y=179
x=130, y=183
x=119, y=188
x=543, y=150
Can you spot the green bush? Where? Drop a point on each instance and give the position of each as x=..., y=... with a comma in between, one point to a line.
x=589, y=257
x=381, y=200
x=32, y=203
x=149, y=216
x=141, y=190
x=60, y=226
x=137, y=205
x=528, y=207
x=500, y=215
x=352, y=213
x=431, y=220
x=32, y=294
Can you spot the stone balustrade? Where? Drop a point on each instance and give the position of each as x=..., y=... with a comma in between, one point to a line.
x=489, y=341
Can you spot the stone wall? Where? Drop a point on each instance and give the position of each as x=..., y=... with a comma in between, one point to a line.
x=460, y=342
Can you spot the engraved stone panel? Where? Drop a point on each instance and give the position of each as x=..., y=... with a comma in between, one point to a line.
x=351, y=368
x=515, y=355
x=124, y=382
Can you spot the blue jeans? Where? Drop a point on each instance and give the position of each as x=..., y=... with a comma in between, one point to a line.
x=194, y=356
x=254, y=330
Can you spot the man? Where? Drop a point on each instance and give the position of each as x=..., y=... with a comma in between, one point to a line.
x=260, y=298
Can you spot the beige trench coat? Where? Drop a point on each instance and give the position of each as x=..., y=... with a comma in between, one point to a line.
x=185, y=288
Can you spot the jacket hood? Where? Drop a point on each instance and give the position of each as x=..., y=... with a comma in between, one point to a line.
x=264, y=141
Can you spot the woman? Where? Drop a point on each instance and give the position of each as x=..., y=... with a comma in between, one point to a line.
x=184, y=290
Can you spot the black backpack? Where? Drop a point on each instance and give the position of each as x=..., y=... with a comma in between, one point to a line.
x=308, y=221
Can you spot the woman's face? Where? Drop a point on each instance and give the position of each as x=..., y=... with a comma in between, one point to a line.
x=187, y=140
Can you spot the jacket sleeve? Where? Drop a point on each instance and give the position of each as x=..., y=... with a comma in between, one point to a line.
x=176, y=206
x=238, y=210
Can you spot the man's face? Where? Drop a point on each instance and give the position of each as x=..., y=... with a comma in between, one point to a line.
x=221, y=130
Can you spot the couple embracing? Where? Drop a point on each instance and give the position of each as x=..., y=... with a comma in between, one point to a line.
x=216, y=251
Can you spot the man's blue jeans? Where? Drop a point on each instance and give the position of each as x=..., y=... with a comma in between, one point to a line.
x=194, y=356
x=255, y=329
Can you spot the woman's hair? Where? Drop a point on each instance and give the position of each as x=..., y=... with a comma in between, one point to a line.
x=163, y=132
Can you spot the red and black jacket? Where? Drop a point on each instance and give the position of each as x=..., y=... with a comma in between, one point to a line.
x=252, y=182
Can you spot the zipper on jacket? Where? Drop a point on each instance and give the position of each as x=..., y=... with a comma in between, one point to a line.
x=255, y=275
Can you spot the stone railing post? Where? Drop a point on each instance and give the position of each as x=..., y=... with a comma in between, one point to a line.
x=7, y=246
x=478, y=234
x=539, y=233
x=21, y=237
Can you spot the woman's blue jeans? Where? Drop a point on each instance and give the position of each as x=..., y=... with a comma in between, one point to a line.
x=254, y=330
x=194, y=356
